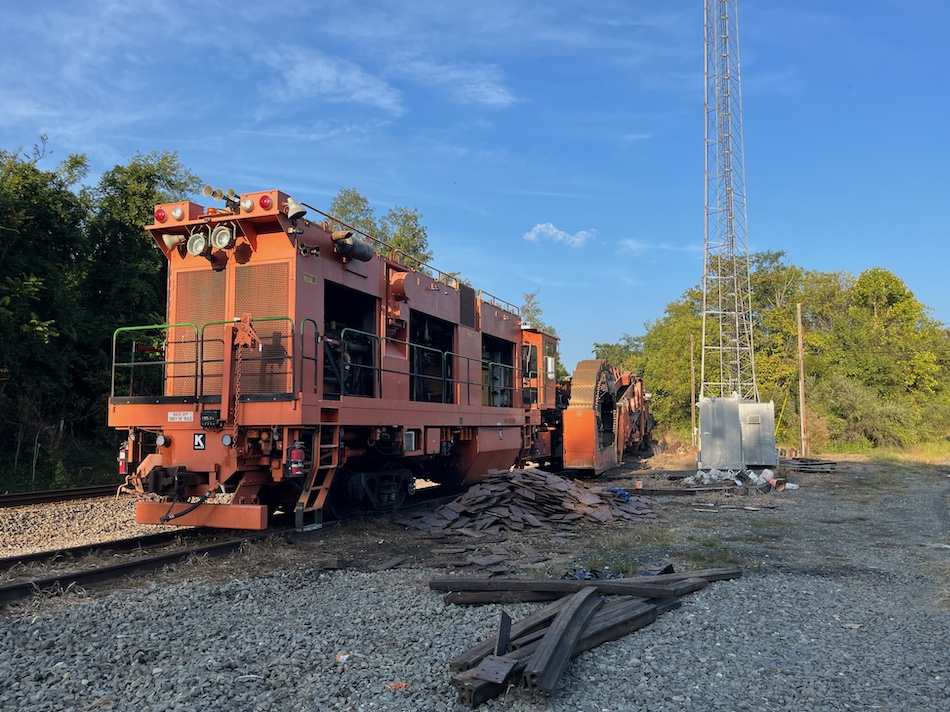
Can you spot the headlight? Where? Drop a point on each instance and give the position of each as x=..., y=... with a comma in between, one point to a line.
x=197, y=244
x=222, y=237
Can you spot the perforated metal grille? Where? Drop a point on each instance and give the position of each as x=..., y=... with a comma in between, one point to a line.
x=263, y=291
x=199, y=298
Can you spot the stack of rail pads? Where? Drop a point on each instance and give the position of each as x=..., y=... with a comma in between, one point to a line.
x=529, y=500
x=533, y=652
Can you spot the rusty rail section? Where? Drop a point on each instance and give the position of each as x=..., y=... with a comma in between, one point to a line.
x=20, y=499
x=540, y=646
x=79, y=552
x=608, y=587
x=23, y=589
x=554, y=651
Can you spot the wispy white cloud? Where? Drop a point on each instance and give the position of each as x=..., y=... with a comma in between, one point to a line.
x=631, y=137
x=311, y=73
x=466, y=83
x=638, y=247
x=547, y=231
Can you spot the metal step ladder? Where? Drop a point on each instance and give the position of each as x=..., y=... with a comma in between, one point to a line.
x=308, y=513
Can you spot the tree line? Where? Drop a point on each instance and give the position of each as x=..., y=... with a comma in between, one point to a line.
x=877, y=366
x=75, y=264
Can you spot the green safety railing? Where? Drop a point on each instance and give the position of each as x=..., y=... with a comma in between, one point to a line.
x=360, y=377
x=271, y=354
x=148, y=365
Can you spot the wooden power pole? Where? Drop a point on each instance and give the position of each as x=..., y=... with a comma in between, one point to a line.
x=801, y=382
x=692, y=388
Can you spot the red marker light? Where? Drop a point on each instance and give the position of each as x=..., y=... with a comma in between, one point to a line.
x=160, y=215
x=266, y=202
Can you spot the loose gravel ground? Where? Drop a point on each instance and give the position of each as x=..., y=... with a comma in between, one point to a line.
x=45, y=527
x=844, y=605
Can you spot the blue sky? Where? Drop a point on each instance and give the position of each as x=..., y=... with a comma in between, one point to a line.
x=553, y=147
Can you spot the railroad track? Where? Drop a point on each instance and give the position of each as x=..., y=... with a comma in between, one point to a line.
x=30, y=584
x=19, y=499
x=76, y=553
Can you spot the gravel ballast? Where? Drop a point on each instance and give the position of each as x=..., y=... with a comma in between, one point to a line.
x=841, y=607
x=44, y=527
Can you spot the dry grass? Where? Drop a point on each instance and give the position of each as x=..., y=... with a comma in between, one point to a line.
x=50, y=600
x=713, y=556
x=627, y=550
x=652, y=535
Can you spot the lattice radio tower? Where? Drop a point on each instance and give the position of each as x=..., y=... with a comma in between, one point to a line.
x=728, y=365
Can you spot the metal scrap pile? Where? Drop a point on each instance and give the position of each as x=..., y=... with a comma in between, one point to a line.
x=809, y=464
x=531, y=500
x=535, y=651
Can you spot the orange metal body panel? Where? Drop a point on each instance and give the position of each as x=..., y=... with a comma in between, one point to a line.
x=582, y=451
x=433, y=440
x=286, y=337
x=264, y=316
x=493, y=448
x=544, y=448
x=498, y=322
x=537, y=375
x=217, y=516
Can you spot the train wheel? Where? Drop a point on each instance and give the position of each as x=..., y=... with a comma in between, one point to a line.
x=400, y=496
x=339, y=499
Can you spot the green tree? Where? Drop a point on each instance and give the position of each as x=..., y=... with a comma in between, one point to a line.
x=400, y=228
x=665, y=365
x=884, y=338
x=626, y=354
x=403, y=230
x=125, y=281
x=352, y=207
x=532, y=315
x=75, y=266
x=42, y=248
x=877, y=366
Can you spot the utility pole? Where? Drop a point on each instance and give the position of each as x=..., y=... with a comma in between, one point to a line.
x=801, y=382
x=692, y=389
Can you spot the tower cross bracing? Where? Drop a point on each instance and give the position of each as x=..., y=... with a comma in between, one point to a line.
x=728, y=364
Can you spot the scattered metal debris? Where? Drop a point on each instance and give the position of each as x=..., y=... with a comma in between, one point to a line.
x=535, y=651
x=529, y=500
x=808, y=464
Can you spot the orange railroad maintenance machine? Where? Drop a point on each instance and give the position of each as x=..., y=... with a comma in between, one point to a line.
x=308, y=369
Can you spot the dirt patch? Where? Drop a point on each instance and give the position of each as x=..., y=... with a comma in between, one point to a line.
x=862, y=516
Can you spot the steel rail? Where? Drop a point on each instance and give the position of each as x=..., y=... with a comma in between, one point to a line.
x=546, y=664
x=18, y=590
x=19, y=499
x=79, y=552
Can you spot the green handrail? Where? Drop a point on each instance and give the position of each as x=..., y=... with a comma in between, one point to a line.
x=151, y=327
